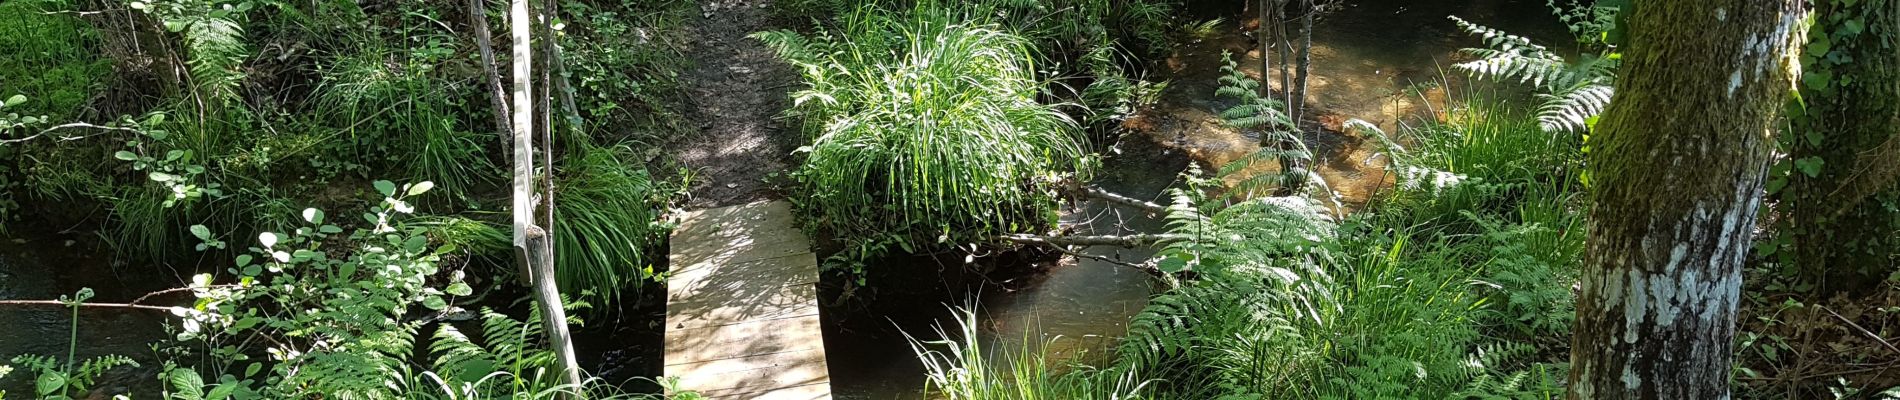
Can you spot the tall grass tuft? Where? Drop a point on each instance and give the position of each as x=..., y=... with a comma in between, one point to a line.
x=604, y=223
x=958, y=368
x=923, y=126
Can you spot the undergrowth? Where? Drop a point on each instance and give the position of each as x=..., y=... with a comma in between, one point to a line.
x=924, y=128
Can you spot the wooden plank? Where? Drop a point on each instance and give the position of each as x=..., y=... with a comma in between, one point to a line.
x=702, y=309
x=768, y=218
x=781, y=271
x=763, y=336
x=701, y=248
x=754, y=374
x=742, y=254
x=821, y=390
x=742, y=306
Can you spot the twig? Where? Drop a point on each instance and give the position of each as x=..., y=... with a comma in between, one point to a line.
x=1145, y=268
x=58, y=303
x=1104, y=195
x=1877, y=338
x=1109, y=240
x=141, y=299
x=74, y=125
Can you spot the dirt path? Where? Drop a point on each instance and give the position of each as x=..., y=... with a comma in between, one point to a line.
x=737, y=91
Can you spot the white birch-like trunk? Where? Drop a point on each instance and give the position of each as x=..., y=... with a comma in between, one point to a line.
x=530, y=241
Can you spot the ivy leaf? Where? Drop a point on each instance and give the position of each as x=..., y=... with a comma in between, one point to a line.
x=387, y=188
x=125, y=155
x=267, y=238
x=201, y=232
x=1810, y=166
x=459, y=289
x=313, y=215
x=14, y=101
x=162, y=177
x=435, y=303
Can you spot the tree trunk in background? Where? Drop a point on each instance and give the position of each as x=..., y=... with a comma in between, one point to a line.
x=1305, y=62
x=1265, y=10
x=1843, y=218
x=530, y=241
x=1680, y=166
x=497, y=95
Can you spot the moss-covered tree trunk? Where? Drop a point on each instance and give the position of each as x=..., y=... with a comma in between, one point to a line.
x=1841, y=193
x=1680, y=163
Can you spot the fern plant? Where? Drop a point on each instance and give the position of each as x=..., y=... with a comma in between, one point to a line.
x=1493, y=376
x=57, y=381
x=1266, y=118
x=1572, y=93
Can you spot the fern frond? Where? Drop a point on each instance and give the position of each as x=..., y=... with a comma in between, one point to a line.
x=217, y=51
x=1570, y=109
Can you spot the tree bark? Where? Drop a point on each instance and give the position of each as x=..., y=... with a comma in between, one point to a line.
x=1679, y=171
x=1265, y=11
x=1844, y=232
x=1306, y=61
x=497, y=94
x=530, y=241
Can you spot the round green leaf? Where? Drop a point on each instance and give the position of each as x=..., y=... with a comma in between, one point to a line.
x=387, y=188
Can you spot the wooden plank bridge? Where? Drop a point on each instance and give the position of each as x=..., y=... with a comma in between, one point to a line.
x=742, y=306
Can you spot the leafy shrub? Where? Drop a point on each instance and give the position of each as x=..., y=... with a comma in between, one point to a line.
x=924, y=128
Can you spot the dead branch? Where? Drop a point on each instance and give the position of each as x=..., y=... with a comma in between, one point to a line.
x=1104, y=195
x=57, y=303
x=1095, y=240
x=1147, y=268
x=77, y=125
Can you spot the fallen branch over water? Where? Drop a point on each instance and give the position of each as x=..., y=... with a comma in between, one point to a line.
x=57, y=303
x=1104, y=195
x=1137, y=240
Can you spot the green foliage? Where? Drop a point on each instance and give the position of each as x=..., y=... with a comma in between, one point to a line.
x=1280, y=141
x=924, y=128
x=57, y=381
x=62, y=381
x=625, y=64
x=214, y=42
x=1494, y=383
x=957, y=367
x=52, y=60
x=605, y=221
x=1572, y=93
x=507, y=359
x=1457, y=286
x=337, y=325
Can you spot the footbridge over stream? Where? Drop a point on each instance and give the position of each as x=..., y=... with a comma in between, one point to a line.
x=742, y=306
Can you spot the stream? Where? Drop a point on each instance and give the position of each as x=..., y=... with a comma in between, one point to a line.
x=1369, y=61
x=48, y=267
x=1373, y=60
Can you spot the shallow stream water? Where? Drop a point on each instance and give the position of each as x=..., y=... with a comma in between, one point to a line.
x=1373, y=60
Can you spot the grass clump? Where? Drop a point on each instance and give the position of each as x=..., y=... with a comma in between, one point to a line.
x=604, y=222
x=923, y=127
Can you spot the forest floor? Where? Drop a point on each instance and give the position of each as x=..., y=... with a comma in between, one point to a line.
x=736, y=92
